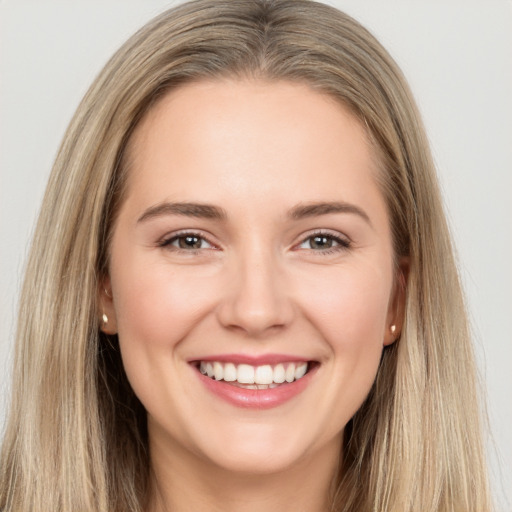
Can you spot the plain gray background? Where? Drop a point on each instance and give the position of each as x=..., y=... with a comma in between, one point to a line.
x=457, y=56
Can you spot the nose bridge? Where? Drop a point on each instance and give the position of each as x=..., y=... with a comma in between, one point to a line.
x=258, y=298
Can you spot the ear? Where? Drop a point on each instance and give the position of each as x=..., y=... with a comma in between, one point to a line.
x=107, y=313
x=396, y=310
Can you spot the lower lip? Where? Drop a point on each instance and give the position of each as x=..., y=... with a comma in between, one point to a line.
x=257, y=398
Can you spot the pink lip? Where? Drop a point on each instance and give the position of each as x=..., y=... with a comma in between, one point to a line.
x=260, y=360
x=256, y=398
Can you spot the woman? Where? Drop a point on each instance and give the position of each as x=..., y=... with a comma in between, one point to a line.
x=241, y=293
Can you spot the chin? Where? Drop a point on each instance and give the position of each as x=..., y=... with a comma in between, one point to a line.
x=260, y=449
x=250, y=462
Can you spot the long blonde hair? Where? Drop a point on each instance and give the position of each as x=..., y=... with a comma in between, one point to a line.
x=76, y=436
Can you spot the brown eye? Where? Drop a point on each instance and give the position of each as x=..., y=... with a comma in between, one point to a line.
x=321, y=242
x=324, y=243
x=186, y=242
x=190, y=242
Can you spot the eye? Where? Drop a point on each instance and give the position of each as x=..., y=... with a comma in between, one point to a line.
x=324, y=242
x=187, y=242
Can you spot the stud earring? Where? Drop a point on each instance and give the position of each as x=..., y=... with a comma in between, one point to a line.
x=104, y=317
x=107, y=294
x=393, y=329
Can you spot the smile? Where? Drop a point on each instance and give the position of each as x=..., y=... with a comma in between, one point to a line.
x=254, y=377
x=255, y=383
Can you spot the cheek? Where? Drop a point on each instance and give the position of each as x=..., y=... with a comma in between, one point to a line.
x=349, y=304
x=155, y=299
x=156, y=306
x=156, y=309
x=353, y=327
x=349, y=310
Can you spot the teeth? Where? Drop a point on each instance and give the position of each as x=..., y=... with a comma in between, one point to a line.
x=300, y=371
x=218, y=371
x=245, y=374
x=279, y=374
x=264, y=375
x=254, y=377
x=230, y=372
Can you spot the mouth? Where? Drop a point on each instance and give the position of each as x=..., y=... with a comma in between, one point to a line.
x=254, y=377
x=257, y=386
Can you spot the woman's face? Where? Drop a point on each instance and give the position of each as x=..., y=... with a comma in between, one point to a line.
x=253, y=245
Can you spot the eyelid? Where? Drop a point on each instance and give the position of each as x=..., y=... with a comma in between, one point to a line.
x=168, y=238
x=343, y=240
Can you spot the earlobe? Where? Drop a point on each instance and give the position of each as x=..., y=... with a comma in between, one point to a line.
x=108, y=323
x=391, y=335
x=396, y=313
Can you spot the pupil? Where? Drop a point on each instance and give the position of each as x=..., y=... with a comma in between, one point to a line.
x=190, y=242
x=321, y=242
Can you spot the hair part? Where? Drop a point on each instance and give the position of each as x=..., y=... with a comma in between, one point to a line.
x=76, y=437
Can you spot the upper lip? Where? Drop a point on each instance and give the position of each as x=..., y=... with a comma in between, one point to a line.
x=253, y=360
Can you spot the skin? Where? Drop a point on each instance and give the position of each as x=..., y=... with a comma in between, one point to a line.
x=255, y=285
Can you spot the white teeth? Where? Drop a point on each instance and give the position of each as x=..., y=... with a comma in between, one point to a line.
x=255, y=386
x=300, y=371
x=263, y=374
x=279, y=374
x=218, y=371
x=254, y=377
x=245, y=374
x=230, y=372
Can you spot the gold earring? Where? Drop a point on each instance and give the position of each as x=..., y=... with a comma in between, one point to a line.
x=104, y=317
x=393, y=329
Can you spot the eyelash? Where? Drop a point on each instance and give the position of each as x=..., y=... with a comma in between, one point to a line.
x=167, y=242
x=342, y=243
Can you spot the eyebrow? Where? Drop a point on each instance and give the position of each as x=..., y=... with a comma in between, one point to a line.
x=302, y=211
x=199, y=210
x=208, y=211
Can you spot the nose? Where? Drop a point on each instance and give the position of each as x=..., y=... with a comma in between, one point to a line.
x=256, y=299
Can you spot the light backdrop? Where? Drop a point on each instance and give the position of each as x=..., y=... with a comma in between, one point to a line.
x=457, y=56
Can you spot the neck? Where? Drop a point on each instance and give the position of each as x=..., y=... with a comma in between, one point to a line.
x=182, y=482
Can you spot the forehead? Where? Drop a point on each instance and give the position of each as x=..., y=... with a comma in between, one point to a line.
x=211, y=141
